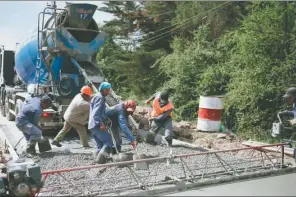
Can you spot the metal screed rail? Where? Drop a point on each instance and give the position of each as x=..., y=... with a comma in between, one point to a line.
x=179, y=171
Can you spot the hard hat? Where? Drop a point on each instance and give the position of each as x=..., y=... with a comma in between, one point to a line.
x=290, y=92
x=131, y=105
x=104, y=85
x=86, y=90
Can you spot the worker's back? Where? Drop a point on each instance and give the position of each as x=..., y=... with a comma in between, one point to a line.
x=78, y=110
x=30, y=113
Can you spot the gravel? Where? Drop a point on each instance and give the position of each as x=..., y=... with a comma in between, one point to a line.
x=93, y=180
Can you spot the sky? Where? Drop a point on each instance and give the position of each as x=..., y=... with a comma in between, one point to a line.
x=18, y=18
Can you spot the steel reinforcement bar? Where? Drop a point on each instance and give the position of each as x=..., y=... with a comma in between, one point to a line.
x=129, y=177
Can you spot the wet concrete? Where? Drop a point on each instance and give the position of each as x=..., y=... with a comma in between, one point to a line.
x=282, y=185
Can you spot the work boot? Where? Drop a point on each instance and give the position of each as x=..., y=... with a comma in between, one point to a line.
x=101, y=158
x=86, y=146
x=169, y=142
x=103, y=155
x=150, y=138
x=56, y=143
x=30, y=150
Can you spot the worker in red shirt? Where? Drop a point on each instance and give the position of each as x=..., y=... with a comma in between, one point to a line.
x=118, y=114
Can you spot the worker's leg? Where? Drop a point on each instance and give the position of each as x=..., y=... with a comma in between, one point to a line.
x=104, y=144
x=81, y=130
x=60, y=136
x=35, y=136
x=155, y=127
x=99, y=143
x=168, y=126
x=118, y=140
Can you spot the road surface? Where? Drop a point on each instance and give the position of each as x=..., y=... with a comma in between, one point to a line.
x=283, y=185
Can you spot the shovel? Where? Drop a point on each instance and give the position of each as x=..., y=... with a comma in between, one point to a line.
x=119, y=157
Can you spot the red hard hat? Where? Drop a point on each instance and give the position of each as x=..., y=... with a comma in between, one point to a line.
x=86, y=90
x=131, y=105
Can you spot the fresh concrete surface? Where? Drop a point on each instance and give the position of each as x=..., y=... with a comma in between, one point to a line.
x=282, y=185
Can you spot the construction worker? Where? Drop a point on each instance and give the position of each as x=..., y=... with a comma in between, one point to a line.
x=76, y=116
x=161, y=116
x=118, y=115
x=27, y=121
x=291, y=98
x=97, y=121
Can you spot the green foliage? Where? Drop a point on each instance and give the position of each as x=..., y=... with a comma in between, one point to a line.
x=185, y=68
x=242, y=50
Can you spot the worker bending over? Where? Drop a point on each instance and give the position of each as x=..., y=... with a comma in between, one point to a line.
x=76, y=117
x=119, y=115
x=161, y=116
x=96, y=123
x=28, y=118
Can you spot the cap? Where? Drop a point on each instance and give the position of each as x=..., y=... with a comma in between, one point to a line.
x=290, y=92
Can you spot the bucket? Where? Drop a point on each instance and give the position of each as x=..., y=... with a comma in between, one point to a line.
x=209, y=113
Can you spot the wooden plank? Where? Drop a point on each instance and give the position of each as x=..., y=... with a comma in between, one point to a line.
x=288, y=151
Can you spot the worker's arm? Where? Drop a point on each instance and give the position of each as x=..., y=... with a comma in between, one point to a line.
x=288, y=113
x=124, y=126
x=163, y=115
x=98, y=112
x=151, y=98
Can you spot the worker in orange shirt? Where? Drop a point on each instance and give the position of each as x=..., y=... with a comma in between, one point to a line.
x=161, y=116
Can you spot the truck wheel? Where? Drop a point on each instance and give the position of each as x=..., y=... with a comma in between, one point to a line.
x=9, y=116
x=18, y=106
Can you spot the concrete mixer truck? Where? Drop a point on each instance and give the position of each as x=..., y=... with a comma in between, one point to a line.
x=57, y=58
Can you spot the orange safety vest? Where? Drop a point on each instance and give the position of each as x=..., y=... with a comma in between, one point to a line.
x=157, y=110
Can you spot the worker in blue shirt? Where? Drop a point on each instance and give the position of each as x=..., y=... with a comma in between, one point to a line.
x=96, y=123
x=27, y=120
x=291, y=98
x=118, y=115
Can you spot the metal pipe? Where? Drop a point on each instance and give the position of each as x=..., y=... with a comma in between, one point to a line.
x=156, y=159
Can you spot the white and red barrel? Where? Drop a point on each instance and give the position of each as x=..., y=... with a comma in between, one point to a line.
x=209, y=113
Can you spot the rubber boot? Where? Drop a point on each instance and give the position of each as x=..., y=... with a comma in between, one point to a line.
x=103, y=155
x=30, y=150
x=150, y=138
x=169, y=142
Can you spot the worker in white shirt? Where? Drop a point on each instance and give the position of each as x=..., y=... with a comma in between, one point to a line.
x=76, y=117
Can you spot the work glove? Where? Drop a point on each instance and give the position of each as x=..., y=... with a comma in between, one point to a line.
x=147, y=102
x=134, y=144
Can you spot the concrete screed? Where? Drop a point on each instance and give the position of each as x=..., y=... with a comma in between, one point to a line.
x=72, y=155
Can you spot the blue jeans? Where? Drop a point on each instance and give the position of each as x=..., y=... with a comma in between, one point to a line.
x=31, y=132
x=102, y=138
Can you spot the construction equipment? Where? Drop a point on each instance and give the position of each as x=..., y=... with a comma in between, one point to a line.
x=190, y=170
x=23, y=178
x=284, y=131
x=54, y=59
